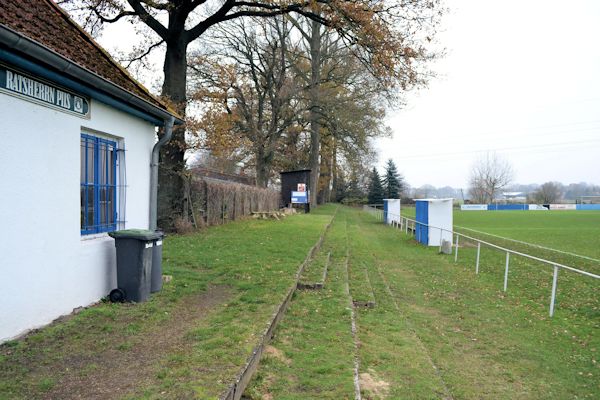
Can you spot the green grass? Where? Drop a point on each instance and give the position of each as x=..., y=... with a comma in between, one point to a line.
x=571, y=231
x=252, y=262
x=313, y=273
x=575, y=232
x=439, y=330
x=314, y=356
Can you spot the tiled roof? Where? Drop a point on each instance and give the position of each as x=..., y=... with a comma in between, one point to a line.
x=44, y=22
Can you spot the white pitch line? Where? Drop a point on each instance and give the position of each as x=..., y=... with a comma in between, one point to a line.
x=529, y=244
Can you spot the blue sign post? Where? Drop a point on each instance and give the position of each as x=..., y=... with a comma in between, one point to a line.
x=299, y=197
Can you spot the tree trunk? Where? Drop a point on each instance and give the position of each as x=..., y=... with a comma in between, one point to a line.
x=172, y=163
x=315, y=126
x=334, y=171
x=263, y=167
x=325, y=171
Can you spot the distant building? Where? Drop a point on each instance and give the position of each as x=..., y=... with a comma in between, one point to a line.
x=514, y=197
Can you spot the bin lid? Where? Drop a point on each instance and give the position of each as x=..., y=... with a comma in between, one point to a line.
x=140, y=234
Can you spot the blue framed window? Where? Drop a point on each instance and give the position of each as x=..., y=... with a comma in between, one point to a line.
x=98, y=184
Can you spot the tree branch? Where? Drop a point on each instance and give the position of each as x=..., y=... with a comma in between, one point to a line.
x=149, y=19
x=156, y=5
x=113, y=19
x=215, y=18
x=144, y=54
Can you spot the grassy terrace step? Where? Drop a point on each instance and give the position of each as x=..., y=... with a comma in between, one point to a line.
x=360, y=284
x=311, y=355
x=190, y=340
x=315, y=273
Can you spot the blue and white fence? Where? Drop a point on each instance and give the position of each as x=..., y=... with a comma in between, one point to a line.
x=528, y=207
x=409, y=226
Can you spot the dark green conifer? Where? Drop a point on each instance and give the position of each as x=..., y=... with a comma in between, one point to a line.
x=376, y=192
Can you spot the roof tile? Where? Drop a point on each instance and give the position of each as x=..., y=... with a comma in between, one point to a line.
x=44, y=22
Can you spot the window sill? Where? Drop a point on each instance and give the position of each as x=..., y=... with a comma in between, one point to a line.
x=95, y=236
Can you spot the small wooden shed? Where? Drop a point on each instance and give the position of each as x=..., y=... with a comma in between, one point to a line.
x=295, y=181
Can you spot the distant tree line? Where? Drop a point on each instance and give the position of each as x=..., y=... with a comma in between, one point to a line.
x=549, y=192
x=553, y=192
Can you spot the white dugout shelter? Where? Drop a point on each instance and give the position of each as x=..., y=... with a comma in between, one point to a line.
x=391, y=211
x=434, y=221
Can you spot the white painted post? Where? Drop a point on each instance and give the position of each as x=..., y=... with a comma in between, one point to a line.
x=506, y=271
x=406, y=227
x=477, y=262
x=440, y=240
x=456, y=250
x=553, y=297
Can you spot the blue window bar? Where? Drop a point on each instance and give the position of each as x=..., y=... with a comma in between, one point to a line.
x=98, y=185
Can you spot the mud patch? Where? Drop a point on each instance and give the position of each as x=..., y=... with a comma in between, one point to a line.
x=375, y=387
x=277, y=354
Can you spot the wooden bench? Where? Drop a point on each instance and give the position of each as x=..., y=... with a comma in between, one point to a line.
x=268, y=215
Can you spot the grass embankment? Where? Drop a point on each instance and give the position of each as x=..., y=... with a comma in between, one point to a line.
x=437, y=331
x=188, y=341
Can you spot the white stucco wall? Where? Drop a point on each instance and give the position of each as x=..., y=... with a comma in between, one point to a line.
x=47, y=268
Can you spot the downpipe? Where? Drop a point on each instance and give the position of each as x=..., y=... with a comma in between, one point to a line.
x=154, y=172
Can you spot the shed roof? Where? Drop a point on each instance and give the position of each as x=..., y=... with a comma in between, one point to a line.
x=435, y=200
x=46, y=24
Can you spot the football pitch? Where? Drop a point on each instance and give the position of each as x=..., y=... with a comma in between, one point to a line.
x=569, y=237
x=567, y=231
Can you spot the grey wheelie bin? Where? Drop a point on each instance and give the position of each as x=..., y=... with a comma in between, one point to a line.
x=134, y=264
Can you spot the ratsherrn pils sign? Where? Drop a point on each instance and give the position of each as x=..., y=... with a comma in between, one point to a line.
x=41, y=92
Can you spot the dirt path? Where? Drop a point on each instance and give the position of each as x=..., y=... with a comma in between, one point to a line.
x=119, y=371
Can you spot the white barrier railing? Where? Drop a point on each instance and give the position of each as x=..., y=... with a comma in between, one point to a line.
x=373, y=210
x=407, y=224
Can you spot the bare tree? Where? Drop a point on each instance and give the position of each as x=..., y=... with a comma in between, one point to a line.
x=247, y=91
x=549, y=192
x=489, y=174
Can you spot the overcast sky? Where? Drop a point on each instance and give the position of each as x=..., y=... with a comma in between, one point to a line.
x=521, y=78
